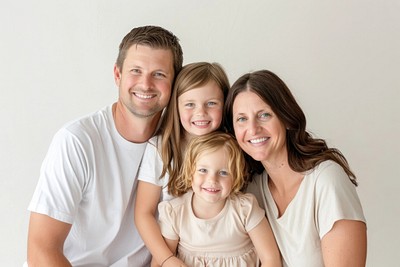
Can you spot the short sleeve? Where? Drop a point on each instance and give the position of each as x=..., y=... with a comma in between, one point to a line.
x=336, y=197
x=250, y=212
x=63, y=177
x=167, y=220
x=151, y=166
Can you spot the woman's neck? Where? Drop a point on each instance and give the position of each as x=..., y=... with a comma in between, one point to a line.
x=283, y=183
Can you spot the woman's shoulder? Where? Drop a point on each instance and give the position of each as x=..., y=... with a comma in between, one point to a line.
x=329, y=173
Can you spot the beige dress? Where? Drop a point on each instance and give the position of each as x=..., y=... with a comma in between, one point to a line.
x=220, y=241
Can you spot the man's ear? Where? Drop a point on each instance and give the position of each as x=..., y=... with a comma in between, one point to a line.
x=117, y=75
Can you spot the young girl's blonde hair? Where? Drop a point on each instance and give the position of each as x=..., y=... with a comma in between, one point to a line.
x=192, y=76
x=209, y=143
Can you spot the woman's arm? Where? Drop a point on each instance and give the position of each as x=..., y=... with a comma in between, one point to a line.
x=147, y=199
x=345, y=245
x=46, y=239
x=265, y=244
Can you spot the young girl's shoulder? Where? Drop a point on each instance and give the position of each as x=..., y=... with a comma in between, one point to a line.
x=177, y=203
x=247, y=209
x=244, y=201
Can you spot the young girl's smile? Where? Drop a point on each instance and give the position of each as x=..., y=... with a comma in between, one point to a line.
x=212, y=181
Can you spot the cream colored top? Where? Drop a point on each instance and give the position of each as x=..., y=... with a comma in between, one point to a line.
x=220, y=241
x=325, y=196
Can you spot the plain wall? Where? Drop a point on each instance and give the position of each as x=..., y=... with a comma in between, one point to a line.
x=341, y=59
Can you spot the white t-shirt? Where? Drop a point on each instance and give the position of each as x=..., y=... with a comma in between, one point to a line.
x=325, y=196
x=88, y=179
x=151, y=167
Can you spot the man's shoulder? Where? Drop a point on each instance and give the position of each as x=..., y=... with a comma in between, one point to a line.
x=90, y=120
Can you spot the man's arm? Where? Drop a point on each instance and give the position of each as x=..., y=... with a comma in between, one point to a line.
x=46, y=238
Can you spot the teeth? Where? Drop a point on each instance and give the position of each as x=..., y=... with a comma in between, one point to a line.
x=200, y=123
x=211, y=189
x=143, y=96
x=258, y=140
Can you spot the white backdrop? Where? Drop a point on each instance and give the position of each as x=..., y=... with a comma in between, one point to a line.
x=341, y=58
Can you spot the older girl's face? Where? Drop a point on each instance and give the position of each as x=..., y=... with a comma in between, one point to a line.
x=258, y=130
x=200, y=109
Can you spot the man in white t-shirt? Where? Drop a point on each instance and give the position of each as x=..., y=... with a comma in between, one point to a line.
x=82, y=208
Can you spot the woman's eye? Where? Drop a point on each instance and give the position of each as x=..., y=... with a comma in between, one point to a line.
x=241, y=119
x=265, y=115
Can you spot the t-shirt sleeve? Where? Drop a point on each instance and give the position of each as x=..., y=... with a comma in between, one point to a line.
x=167, y=220
x=336, y=198
x=250, y=211
x=151, y=166
x=62, y=178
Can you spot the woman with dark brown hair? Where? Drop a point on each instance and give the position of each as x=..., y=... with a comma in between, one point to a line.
x=306, y=188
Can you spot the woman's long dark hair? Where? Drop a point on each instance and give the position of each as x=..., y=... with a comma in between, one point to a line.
x=304, y=151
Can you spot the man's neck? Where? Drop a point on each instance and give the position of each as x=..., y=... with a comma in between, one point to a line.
x=131, y=127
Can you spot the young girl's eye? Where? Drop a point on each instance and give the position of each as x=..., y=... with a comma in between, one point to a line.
x=202, y=170
x=223, y=173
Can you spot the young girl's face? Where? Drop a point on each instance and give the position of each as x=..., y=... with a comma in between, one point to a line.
x=212, y=182
x=200, y=109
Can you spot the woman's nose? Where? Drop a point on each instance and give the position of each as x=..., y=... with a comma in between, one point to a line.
x=254, y=127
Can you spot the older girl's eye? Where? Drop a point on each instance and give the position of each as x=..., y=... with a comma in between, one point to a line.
x=189, y=105
x=211, y=103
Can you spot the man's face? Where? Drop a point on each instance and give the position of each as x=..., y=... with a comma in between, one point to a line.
x=145, y=80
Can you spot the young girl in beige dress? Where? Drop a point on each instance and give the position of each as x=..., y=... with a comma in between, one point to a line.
x=212, y=223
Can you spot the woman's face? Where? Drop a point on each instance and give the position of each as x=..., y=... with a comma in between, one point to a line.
x=258, y=130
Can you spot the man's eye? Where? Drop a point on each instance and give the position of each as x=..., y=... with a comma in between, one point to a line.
x=135, y=71
x=160, y=75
